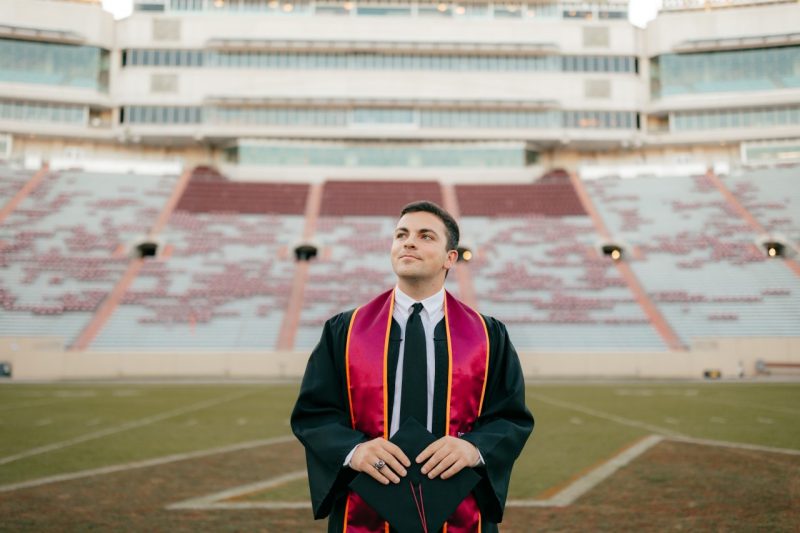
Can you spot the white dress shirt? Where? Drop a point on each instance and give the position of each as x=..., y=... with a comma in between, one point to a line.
x=432, y=312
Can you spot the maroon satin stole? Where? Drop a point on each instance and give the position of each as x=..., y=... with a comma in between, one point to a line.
x=366, y=364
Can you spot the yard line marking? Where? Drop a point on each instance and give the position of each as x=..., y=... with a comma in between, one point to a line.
x=31, y=404
x=212, y=500
x=122, y=427
x=271, y=506
x=607, y=416
x=736, y=445
x=146, y=463
x=594, y=477
x=562, y=498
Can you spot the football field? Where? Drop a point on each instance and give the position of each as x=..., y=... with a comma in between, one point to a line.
x=220, y=457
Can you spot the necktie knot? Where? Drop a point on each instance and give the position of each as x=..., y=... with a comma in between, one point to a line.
x=416, y=308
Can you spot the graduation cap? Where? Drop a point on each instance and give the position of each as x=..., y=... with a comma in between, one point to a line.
x=417, y=503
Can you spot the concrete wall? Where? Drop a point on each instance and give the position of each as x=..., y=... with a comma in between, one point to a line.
x=41, y=359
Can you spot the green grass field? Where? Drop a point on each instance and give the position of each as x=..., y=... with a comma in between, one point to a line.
x=52, y=429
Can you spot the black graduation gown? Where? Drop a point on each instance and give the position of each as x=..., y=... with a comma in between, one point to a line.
x=321, y=418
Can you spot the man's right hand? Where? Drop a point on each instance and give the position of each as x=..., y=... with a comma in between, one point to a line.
x=379, y=449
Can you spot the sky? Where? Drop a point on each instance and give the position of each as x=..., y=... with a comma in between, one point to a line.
x=640, y=11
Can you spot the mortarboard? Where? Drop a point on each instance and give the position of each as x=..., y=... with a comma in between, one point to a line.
x=417, y=503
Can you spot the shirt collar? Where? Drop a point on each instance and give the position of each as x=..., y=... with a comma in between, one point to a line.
x=432, y=304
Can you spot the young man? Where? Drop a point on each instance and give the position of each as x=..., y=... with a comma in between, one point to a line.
x=413, y=351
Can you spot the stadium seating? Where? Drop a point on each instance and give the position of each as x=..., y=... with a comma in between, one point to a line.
x=11, y=181
x=697, y=258
x=225, y=270
x=226, y=279
x=66, y=246
x=772, y=196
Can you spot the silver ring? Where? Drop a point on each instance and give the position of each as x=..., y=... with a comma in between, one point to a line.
x=379, y=464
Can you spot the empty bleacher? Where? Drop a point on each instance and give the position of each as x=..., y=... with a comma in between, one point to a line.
x=11, y=181
x=224, y=274
x=225, y=277
x=66, y=245
x=772, y=196
x=537, y=270
x=697, y=259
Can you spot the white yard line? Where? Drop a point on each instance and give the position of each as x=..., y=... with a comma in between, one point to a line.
x=607, y=416
x=591, y=479
x=122, y=427
x=565, y=497
x=211, y=500
x=236, y=506
x=146, y=463
x=34, y=403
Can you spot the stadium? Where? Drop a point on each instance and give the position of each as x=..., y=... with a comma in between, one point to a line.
x=189, y=192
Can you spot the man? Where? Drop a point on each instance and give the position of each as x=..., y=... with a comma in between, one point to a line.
x=412, y=351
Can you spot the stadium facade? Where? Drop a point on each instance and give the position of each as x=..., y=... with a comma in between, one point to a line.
x=400, y=87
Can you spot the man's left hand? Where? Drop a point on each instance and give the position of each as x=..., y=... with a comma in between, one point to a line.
x=447, y=456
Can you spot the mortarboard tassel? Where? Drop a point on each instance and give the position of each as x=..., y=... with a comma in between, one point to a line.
x=420, y=505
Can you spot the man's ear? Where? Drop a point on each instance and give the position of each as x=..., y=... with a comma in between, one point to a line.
x=452, y=258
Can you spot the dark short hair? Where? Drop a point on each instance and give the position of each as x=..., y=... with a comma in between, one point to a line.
x=450, y=224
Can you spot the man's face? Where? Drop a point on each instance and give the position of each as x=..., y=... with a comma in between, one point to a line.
x=419, y=247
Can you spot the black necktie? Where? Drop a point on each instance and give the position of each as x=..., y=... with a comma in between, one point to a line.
x=414, y=397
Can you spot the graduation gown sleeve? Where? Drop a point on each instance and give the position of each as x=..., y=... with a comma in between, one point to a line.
x=321, y=418
x=505, y=423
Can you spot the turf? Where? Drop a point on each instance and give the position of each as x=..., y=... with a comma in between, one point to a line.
x=571, y=431
x=577, y=426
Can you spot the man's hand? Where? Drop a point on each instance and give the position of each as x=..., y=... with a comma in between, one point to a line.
x=448, y=456
x=380, y=449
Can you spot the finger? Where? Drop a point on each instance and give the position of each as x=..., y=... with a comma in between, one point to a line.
x=443, y=465
x=378, y=475
x=457, y=467
x=432, y=448
x=392, y=463
x=396, y=452
x=436, y=458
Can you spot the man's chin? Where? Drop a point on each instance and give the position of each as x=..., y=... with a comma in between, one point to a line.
x=404, y=272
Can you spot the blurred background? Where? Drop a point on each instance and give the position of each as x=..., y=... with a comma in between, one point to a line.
x=190, y=188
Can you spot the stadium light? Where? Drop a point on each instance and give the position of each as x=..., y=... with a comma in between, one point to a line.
x=614, y=251
x=146, y=249
x=464, y=254
x=774, y=248
x=305, y=251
